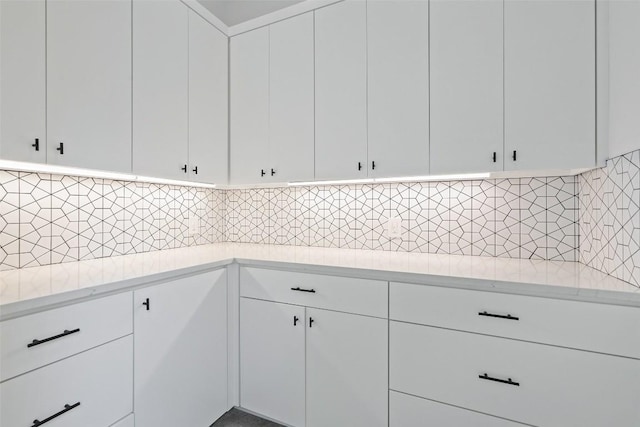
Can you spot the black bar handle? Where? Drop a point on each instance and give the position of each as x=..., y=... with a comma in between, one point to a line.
x=495, y=157
x=55, y=337
x=273, y=171
x=359, y=166
x=514, y=155
x=195, y=170
x=299, y=289
x=67, y=408
x=184, y=168
x=147, y=304
x=311, y=321
x=295, y=320
x=262, y=172
x=499, y=316
x=498, y=380
x=36, y=144
x=373, y=165
x=60, y=148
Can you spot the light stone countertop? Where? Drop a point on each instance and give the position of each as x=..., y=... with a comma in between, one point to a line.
x=33, y=289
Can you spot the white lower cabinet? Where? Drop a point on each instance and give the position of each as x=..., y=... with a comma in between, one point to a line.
x=272, y=363
x=535, y=384
x=93, y=388
x=180, y=330
x=411, y=411
x=333, y=364
x=347, y=381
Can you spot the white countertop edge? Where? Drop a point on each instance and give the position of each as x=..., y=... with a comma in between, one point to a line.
x=623, y=297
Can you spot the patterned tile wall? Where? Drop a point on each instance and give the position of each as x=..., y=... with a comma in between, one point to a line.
x=610, y=218
x=48, y=219
x=533, y=218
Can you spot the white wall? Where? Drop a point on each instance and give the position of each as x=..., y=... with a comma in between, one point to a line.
x=624, y=75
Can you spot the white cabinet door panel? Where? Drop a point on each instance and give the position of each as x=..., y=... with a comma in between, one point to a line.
x=181, y=352
x=22, y=80
x=160, y=88
x=398, y=87
x=347, y=381
x=89, y=84
x=208, y=102
x=249, y=88
x=272, y=360
x=341, y=91
x=291, y=108
x=466, y=86
x=549, y=87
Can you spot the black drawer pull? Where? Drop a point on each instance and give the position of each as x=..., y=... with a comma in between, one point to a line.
x=55, y=337
x=295, y=320
x=36, y=144
x=60, y=148
x=498, y=380
x=311, y=322
x=147, y=304
x=499, y=316
x=299, y=289
x=67, y=408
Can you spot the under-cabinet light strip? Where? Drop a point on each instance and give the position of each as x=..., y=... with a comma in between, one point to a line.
x=459, y=177
x=116, y=176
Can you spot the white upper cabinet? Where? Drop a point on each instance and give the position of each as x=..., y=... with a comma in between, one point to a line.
x=291, y=107
x=398, y=85
x=160, y=88
x=208, y=102
x=89, y=84
x=549, y=87
x=250, y=107
x=341, y=91
x=22, y=80
x=466, y=86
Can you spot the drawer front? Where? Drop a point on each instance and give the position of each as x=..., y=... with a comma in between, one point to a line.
x=556, y=386
x=361, y=296
x=127, y=422
x=411, y=411
x=595, y=327
x=96, y=322
x=101, y=380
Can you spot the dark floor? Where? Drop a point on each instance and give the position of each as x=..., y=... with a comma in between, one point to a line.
x=238, y=418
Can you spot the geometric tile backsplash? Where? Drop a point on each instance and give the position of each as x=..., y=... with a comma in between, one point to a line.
x=593, y=218
x=610, y=218
x=47, y=219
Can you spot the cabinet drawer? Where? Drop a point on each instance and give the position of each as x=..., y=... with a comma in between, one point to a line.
x=555, y=386
x=361, y=296
x=96, y=322
x=411, y=411
x=100, y=380
x=595, y=327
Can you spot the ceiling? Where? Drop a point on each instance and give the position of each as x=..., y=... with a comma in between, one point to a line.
x=233, y=12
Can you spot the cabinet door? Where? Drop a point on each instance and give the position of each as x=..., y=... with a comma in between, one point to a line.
x=549, y=88
x=22, y=80
x=347, y=365
x=291, y=135
x=89, y=84
x=250, y=107
x=466, y=86
x=272, y=365
x=341, y=91
x=398, y=75
x=181, y=352
x=208, y=102
x=160, y=88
